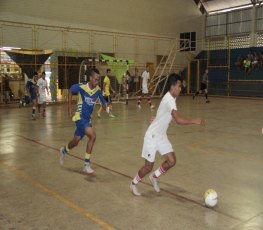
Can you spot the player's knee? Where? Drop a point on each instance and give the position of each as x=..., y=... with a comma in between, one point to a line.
x=172, y=162
x=92, y=136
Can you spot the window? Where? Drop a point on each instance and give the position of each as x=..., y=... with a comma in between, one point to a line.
x=187, y=41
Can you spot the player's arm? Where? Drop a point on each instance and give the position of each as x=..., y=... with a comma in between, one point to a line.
x=27, y=89
x=112, y=90
x=184, y=121
x=37, y=89
x=104, y=87
x=70, y=111
x=73, y=90
x=47, y=90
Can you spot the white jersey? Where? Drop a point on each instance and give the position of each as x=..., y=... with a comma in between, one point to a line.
x=42, y=86
x=163, y=117
x=145, y=78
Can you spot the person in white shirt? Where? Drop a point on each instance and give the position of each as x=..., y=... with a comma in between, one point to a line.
x=156, y=139
x=42, y=88
x=145, y=91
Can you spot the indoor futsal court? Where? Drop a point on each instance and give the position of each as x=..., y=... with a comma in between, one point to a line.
x=124, y=115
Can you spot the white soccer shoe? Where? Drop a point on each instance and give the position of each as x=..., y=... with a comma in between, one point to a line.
x=154, y=182
x=135, y=190
x=62, y=155
x=111, y=115
x=87, y=169
x=152, y=107
x=139, y=106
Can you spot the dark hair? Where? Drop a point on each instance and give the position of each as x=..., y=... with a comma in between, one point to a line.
x=44, y=73
x=91, y=71
x=34, y=74
x=172, y=80
x=108, y=70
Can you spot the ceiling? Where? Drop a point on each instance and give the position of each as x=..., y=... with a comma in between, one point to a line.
x=218, y=5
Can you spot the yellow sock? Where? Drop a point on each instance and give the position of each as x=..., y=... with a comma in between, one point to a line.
x=67, y=149
x=99, y=111
x=87, y=157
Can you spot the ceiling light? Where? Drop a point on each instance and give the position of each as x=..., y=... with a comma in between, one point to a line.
x=9, y=48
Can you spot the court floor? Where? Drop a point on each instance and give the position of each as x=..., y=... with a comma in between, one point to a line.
x=226, y=155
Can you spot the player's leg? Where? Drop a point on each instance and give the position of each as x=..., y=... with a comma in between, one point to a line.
x=78, y=135
x=110, y=106
x=165, y=148
x=148, y=153
x=196, y=93
x=90, y=133
x=34, y=105
x=170, y=161
x=144, y=170
x=38, y=105
x=206, y=95
x=66, y=149
x=140, y=101
x=99, y=111
x=44, y=105
x=149, y=98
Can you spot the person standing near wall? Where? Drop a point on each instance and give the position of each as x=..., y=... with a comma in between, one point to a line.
x=106, y=94
x=31, y=90
x=6, y=89
x=145, y=91
x=42, y=88
x=203, y=87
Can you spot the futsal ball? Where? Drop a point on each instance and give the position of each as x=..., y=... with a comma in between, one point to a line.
x=210, y=198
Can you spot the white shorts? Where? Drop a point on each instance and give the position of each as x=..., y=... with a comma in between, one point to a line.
x=41, y=99
x=152, y=144
x=145, y=90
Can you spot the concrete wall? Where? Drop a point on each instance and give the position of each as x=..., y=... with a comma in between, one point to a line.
x=132, y=29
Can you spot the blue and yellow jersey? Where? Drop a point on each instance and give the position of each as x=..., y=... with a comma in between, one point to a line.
x=106, y=82
x=86, y=100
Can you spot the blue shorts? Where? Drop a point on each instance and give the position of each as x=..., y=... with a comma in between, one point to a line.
x=81, y=126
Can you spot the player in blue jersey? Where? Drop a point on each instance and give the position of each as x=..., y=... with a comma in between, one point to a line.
x=87, y=96
x=31, y=90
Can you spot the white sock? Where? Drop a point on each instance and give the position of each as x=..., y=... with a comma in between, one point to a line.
x=136, y=179
x=159, y=172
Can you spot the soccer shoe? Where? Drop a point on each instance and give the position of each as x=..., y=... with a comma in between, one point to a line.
x=62, y=155
x=87, y=169
x=134, y=189
x=152, y=107
x=139, y=106
x=98, y=114
x=207, y=101
x=111, y=115
x=154, y=182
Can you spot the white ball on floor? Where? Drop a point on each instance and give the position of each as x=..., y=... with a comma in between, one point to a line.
x=210, y=198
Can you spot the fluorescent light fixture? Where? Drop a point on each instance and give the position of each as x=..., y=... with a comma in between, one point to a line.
x=9, y=48
x=230, y=9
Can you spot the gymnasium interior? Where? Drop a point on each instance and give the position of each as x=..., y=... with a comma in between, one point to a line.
x=63, y=39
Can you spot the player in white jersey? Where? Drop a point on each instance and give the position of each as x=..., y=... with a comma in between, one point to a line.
x=42, y=88
x=145, y=91
x=156, y=139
